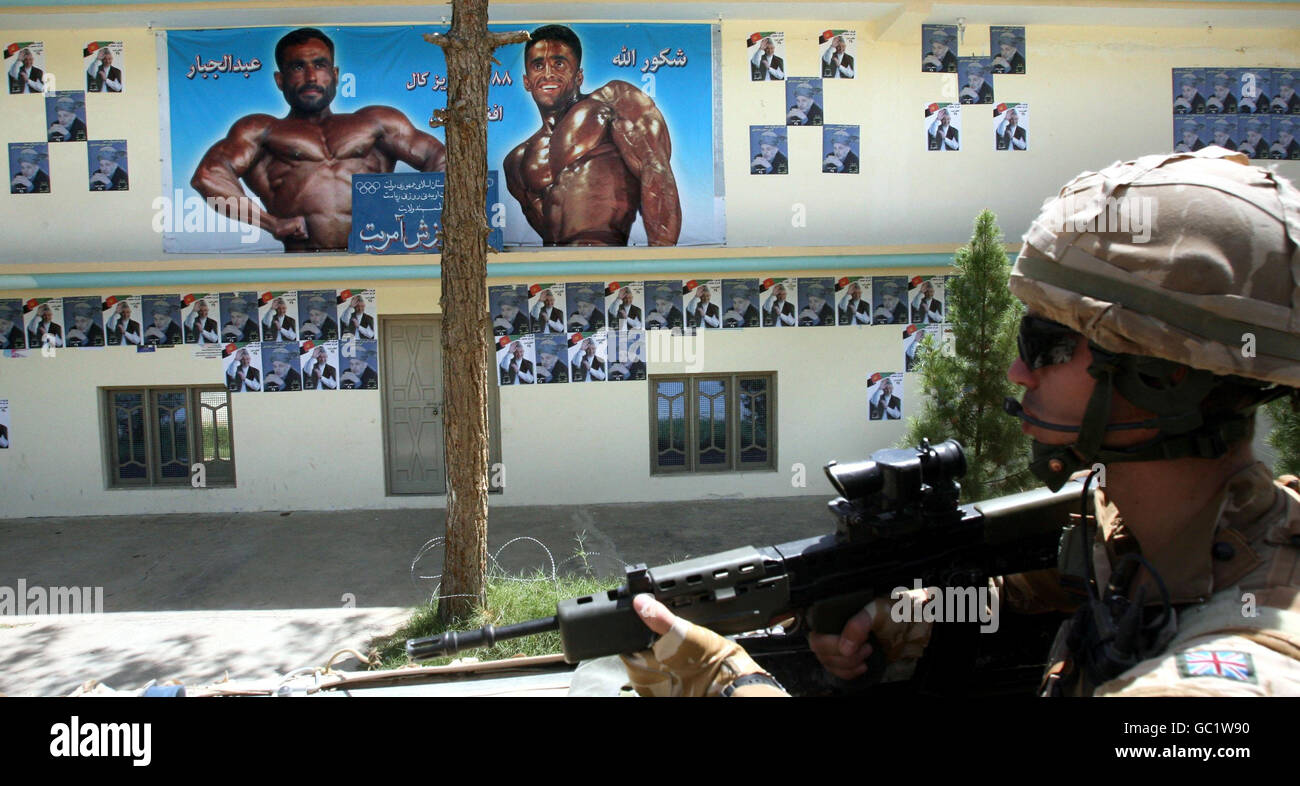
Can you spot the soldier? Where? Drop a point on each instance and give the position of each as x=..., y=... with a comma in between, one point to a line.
x=1162, y=392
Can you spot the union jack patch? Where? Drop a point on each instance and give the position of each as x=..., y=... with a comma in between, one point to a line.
x=1228, y=664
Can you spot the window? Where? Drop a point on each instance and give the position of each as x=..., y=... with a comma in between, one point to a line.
x=157, y=435
x=712, y=423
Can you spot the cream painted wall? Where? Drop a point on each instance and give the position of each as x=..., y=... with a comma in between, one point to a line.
x=1095, y=95
x=324, y=450
x=73, y=224
x=303, y=450
x=821, y=407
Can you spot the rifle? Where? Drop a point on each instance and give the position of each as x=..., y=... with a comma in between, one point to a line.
x=898, y=521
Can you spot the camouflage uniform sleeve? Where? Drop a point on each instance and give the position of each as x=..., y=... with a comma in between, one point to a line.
x=1217, y=664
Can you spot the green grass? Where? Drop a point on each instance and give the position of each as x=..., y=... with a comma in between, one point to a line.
x=510, y=599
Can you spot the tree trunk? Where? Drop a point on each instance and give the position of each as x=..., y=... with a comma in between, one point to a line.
x=468, y=50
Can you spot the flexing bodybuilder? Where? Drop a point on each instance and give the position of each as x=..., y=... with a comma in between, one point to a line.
x=597, y=159
x=302, y=165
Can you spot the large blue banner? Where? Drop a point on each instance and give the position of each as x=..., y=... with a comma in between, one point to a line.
x=604, y=137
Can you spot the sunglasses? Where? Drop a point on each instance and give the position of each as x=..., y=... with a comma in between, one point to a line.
x=1043, y=342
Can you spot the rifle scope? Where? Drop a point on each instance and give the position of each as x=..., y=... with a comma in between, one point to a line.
x=900, y=474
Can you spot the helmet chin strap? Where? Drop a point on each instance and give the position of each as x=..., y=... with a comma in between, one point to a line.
x=1182, y=433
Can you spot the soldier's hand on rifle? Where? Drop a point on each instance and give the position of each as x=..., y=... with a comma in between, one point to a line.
x=688, y=660
x=846, y=655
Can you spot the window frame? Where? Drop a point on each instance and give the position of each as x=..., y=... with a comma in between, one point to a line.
x=153, y=446
x=690, y=388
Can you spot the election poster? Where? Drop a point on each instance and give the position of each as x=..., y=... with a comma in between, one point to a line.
x=319, y=362
x=942, y=127
x=769, y=151
x=587, y=357
x=1189, y=91
x=1007, y=45
x=939, y=48
x=122, y=326
x=105, y=66
x=508, y=305
x=779, y=296
x=840, y=148
x=975, y=77
x=805, y=104
x=885, y=396
x=161, y=315
x=281, y=367
x=316, y=316
x=838, y=49
x=277, y=312
x=201, y=320
x=86, y=321
x=925, y=300
x=516, y=360
x=239, y=318
x=107, y=165
x=1286, y=102
x=1285, y=146
x=1011, y=127
x=65, y=116
x=740, y=303
x=664, y=301
x=360, y=364
x=356, y=314
x=1190, y=134
x=44, y=319
x=1254, y=133
x=817, y=301
x=25, y=65
x=242, y=364
x=889, y=300
x=625, y=305
x=702, y=303
x=381, y=85
x=913, y=338
x=853, y=300
x=552, y=364
x=766, y=51
x=1222, y=99
x=29, y=168
x=1254, y=89
x=627, y=355
x=585, y=301
x=546, y=308
x=13, y=336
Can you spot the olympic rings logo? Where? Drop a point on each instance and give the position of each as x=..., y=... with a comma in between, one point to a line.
x=366, y=187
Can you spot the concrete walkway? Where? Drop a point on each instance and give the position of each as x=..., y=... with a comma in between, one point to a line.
x=255, y=595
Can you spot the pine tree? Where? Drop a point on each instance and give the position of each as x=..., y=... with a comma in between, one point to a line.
x=964, y=390
x=1285, y=437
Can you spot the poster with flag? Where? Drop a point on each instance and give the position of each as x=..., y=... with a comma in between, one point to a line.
x=885, y=395
x=766, y=52
x=839, y=52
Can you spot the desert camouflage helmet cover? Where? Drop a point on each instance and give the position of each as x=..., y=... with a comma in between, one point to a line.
x=1221, y=261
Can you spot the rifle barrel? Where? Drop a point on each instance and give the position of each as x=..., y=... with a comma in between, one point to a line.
x=486, y=636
